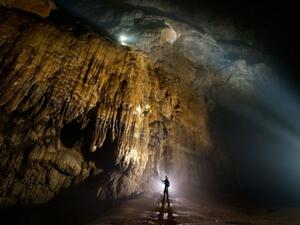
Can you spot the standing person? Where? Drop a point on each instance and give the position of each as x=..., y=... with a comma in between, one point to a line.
x=167, y=184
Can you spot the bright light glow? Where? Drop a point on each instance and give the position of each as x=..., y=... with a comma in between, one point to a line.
x=147, y=109
x=132, y=155
x=123, y=39
x=139, y=110
x=158, y=185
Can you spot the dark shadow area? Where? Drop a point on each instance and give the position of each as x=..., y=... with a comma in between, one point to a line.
x=70, y=134
x=69, y=21
x=105, y=156
x=76, y=205
x=255, y=158
x=73, y=206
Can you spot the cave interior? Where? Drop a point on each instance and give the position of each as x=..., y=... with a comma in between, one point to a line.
x=101, y=101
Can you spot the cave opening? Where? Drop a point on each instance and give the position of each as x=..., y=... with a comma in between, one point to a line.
x=104, y=156
x=71, y=133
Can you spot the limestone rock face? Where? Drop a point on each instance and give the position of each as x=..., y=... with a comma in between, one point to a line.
x=39, y=7
x=78, y=108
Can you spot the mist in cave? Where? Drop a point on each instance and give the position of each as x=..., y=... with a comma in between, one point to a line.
x=149, y=112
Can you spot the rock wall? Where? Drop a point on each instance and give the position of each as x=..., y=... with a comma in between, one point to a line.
x=78, y=110
x=38, y=7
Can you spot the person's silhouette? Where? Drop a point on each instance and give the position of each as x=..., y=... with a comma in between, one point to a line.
x=167, y=184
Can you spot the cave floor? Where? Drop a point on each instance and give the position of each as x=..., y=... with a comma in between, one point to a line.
x=152, y=210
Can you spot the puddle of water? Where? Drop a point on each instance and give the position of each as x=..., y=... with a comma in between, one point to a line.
x=165, y=217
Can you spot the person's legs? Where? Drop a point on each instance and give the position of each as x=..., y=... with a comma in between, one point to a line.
x=166, y=193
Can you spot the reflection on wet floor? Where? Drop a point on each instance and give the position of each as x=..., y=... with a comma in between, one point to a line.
x=160, y=210
x=165, y=215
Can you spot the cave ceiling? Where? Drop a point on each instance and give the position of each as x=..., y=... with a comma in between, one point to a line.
x=187, y=42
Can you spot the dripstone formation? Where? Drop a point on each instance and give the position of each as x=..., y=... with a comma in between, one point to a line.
x=76, y=109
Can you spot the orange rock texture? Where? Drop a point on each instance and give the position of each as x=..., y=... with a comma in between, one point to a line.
x=76, y=108
x=38, y=7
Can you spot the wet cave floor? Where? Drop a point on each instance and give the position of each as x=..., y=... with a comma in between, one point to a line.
x=153, y=210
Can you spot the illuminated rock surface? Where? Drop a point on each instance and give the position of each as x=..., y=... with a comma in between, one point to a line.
x=75, y=108
x=38, y=7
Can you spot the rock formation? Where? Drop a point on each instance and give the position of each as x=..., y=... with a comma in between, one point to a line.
x=40, y=7
x=76, y=107
x=78, y=110
x=211, y=54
